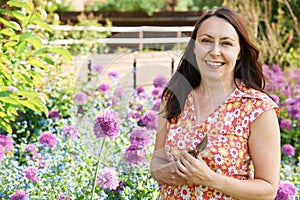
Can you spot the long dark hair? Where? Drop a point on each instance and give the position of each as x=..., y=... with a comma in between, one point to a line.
x=187, y=76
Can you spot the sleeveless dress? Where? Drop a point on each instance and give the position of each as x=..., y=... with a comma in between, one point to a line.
x=228, y=130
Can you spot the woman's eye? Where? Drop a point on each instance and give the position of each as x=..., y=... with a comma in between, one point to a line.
x=226, y=43
x=206, y=40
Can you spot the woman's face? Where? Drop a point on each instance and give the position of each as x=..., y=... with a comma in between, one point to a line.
x=217, y=49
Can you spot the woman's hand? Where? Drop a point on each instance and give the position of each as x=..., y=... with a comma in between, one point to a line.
x=194, y=170
x=168, y=174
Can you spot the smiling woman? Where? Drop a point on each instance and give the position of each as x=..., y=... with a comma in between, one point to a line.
x=217, y=93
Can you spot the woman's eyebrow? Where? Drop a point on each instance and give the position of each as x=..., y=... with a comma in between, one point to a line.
x=223, y=38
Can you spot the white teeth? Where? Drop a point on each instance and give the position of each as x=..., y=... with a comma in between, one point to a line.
x=214, y=63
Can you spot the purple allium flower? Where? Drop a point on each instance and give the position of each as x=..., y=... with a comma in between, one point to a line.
x=81, y=98
x=113, y=75
x=107, y=124
x=30, y=148
x=140, y=137
x=97, y=69
x=160, y=81
x=30, y=174
x=134, y=115
x=53, y=114
x=136, y=106
x=6, y=143
x=70, y=130
x=63, y=197
x=156, y=105
x=150, y=120
x=48, y=139
x=286, y=124
x=1, y=154
x=140, y=91
x=275, y=99
x=103, y=87
x=156, y=92
x=18, y=195
x=12, y=89
x=294, y=111
x=120, y=92
x=134, y=154
x=108, y=179
x=112, y=101
x=290, y=101
x=288, y=149
x=286, y=191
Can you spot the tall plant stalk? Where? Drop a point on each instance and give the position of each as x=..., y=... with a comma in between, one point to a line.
x=97, y=169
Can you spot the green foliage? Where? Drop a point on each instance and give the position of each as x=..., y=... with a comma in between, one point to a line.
x=188, y=5
x=147, y=6
x=276, y=28
x=24, y=54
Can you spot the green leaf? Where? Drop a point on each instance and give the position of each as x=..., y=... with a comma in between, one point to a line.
x=28, y=5
x=21, y=47
x=9, y=100
x=7, y=31
x=48, y=60
x=63, y=52
x=36, y=63
x=11, y=24
x=18, y=14
x=5, y=126
x=29, y=105
x=44, y=25
x=5, y=60
x=41, y=50
x=3, y=11
x=31, y=38
x=28, y=94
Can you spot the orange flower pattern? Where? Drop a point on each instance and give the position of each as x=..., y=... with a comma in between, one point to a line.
x=228, y=130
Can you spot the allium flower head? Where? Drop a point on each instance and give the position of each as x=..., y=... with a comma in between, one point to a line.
x=70, y=130
x=1, y=154
x=108, y=179
x=63, y=197
x=113, y=75
x=156, y=105
x=30, y=148
x=140, y=91
x=275, y=99
x=30, y=174
x=103, y=87
x=286, y=191
x=286, y=124
x=120, y=92
x=294, y=111
x=288, y=149
x=140, y=137
x=6, y=143
x=135, y=154
x=107, y=124
x=81, y=98
x=97, y=69
x=53, y=114
x=160, y=81
x=150, y=120
x=18, y=195
x=12, y=89
x=48, y=139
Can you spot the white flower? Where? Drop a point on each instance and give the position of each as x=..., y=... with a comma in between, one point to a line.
x=228, y=119
x=239, y=131
x=219, y=159
x=185, y=192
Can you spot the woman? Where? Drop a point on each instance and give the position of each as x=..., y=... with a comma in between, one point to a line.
x=217, y=91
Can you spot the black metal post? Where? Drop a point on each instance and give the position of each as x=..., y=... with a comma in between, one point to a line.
x=89, y=69
x=172, y=66
x=134, y=74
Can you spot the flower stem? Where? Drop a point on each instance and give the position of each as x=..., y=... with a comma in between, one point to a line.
x=97, y=169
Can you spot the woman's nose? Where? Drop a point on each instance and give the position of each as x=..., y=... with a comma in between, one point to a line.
x=215, y=50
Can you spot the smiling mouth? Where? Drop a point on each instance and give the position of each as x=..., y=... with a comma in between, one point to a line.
x=214, y=64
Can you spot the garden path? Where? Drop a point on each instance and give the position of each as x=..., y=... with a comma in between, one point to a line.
x=148, y=66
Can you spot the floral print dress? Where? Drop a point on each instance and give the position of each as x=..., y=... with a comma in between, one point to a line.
x=228, y=130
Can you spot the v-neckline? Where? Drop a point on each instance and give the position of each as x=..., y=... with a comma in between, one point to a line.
x=198, y=122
